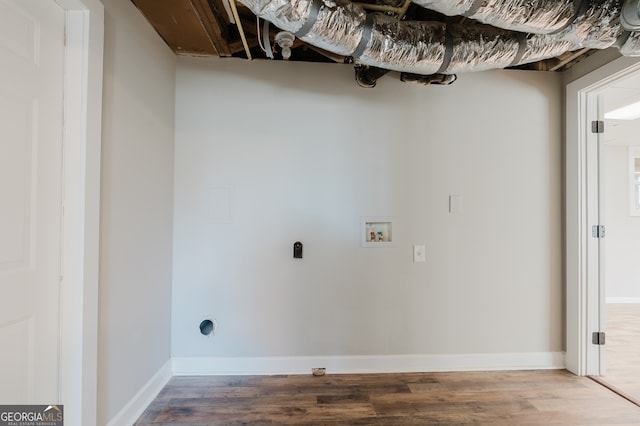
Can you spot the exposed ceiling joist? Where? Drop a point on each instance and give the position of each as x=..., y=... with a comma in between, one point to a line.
x=176, y=23
x=204, y=11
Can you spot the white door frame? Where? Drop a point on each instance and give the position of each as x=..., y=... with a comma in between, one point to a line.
x=81, y=209
x=584, y=286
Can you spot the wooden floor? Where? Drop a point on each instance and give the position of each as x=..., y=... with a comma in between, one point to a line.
x=545, y=397
x=623, y=349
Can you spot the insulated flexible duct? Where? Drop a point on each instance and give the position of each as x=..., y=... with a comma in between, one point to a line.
x=421, y=47
x=529, y=16
x=437, y=48
x=630, y=15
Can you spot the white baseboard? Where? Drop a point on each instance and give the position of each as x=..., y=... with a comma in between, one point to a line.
x=623, y=299
x=136, y=406
x=185, y=366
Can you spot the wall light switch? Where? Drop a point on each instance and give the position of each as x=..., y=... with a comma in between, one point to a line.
x=454, y=203
x=419, y=254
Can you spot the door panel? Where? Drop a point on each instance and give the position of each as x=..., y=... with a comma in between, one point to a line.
x=31, y=88
x=18, y=336
x=16, y=177
x=19, y=31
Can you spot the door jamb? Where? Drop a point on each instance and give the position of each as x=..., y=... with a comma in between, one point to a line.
x=82, y=137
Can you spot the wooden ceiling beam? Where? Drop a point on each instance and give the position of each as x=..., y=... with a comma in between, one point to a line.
x=177, y=24
x=237, y=46
x=211, y=25
x=567, y=58
x=329, y=55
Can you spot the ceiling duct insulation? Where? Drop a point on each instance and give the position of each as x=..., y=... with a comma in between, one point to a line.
x=425, y=47
x=528, y=16
x=630, y=15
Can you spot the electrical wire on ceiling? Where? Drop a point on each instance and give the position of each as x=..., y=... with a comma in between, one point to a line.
x=258, y=33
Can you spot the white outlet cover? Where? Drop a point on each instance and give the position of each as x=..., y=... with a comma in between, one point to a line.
x=419, y=253
x=455, y=203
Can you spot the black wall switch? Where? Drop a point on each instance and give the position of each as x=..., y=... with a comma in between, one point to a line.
x=297, y=250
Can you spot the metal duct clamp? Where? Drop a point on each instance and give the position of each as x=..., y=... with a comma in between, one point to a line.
x=630, y=15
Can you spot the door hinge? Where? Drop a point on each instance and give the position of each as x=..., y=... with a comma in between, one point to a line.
x=598, y=338
x=597, y=231
x=597, y=126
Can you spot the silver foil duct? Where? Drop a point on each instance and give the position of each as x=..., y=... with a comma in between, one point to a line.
x=631, y=46
x=288, y=15
x=529, y=16
x=478, y=48
x=539, y=47
x=598, y=27
x=421, y=47
x=411, y=46
x=426, y=48
x=589, y=21
x=337, y=29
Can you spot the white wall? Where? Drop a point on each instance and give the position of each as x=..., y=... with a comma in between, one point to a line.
x=136, y=222
x=622, y=269
x=295, y=151
x=590, y=64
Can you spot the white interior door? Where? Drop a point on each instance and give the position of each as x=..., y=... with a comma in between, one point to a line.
x=31, y=108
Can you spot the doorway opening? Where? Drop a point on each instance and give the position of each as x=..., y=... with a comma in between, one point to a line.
x=619, y=172
x=588, y=193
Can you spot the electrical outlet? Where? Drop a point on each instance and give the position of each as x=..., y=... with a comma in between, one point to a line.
x=419, y=254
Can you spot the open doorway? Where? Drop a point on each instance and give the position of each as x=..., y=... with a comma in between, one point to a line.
x=584, y=247
x=620, y=206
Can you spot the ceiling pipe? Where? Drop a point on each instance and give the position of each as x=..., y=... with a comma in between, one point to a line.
x=427, y=48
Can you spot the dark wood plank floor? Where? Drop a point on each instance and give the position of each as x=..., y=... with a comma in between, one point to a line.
x=623, y=349
x=546, y=397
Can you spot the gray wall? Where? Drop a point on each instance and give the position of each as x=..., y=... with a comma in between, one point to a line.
x=276, y=152
x=136, y=222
